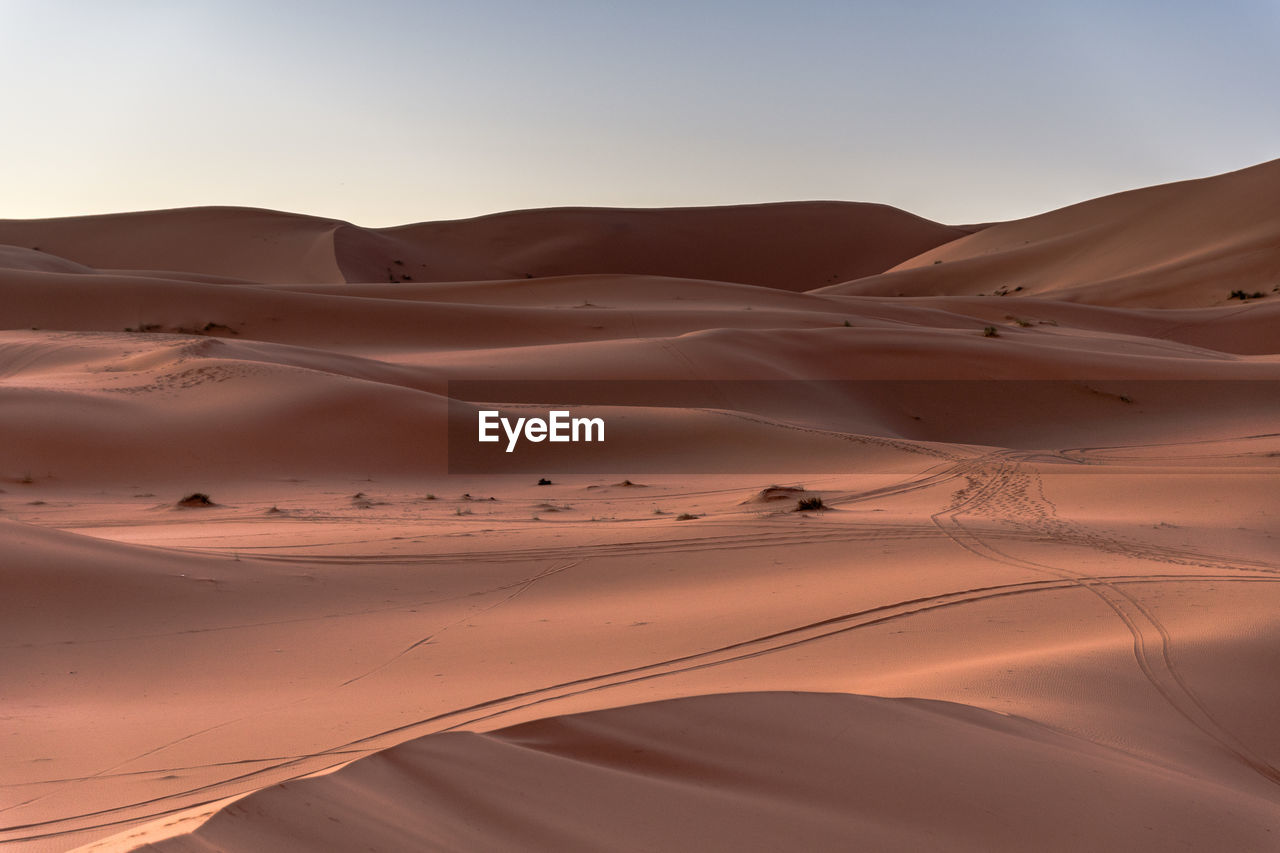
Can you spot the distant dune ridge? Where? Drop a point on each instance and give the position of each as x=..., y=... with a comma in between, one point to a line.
x=1179, y=245
x=1176, y=245
x=791, y=245
x=1037, y=611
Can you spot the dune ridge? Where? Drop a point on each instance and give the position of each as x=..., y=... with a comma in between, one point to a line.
x=1180, y=245
x=791, y=245
x=766, y=770
x=881, y=550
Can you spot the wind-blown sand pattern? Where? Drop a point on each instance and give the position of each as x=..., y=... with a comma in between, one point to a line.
x=1041, y=610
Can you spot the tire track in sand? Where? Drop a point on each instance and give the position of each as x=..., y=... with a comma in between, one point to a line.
x=1007, y=488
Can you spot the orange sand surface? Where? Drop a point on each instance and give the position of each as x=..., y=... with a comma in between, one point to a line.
x=1040, y=610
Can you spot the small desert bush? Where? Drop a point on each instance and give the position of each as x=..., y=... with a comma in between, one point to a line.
x=813, y=504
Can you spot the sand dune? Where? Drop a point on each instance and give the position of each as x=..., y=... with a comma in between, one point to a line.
x=1180, y=245
x=1034, y=610
x=760, y=771
x=794, y=246
x=257, y=245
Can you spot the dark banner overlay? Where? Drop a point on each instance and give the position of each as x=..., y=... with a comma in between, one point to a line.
x=839, y=426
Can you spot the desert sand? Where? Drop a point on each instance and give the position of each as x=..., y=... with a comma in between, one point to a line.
x=1039, y=608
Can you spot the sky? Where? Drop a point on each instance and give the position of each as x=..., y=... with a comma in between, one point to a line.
x=385, y=112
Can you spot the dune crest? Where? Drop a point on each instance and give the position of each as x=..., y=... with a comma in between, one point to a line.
x=792, y=245
x=263, y=589
x=1181, y=245
x=755, y=771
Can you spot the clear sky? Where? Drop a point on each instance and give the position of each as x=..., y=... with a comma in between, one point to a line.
x=389, y=111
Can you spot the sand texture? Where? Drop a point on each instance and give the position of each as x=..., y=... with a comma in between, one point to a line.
x=1039, y=611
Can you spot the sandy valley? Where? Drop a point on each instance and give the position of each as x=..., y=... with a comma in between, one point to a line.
x=974, y=547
